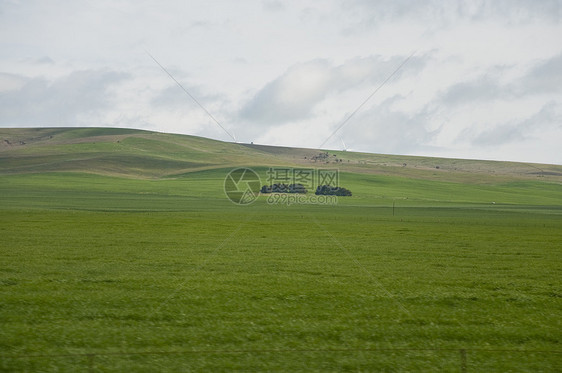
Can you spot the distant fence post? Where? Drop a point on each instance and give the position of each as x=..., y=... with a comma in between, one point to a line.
x=462, y=352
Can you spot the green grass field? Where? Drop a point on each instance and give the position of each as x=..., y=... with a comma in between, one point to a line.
x=128, y=256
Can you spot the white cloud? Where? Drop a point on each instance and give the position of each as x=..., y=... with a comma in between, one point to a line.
x=295, y=94
x=291, y=96
x=77, y=99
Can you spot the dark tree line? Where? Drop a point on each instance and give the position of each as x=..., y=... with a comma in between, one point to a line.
x=328, y=190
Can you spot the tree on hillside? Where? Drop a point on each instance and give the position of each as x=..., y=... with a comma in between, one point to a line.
x=328, y=190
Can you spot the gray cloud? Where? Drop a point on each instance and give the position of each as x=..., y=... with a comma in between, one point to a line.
x=545, y=77
x=501, y=134
x=294, y=95
x=272, y=5
x=481, y=89
x=45, y=60
x=173, y=97
x=549, y=115
x=63, y=101
x=383, y=130
x=512, y=11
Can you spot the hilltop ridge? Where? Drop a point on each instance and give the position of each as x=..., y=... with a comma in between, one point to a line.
x=147, y=154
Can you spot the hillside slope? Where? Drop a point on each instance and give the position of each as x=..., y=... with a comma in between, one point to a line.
x=146, y=154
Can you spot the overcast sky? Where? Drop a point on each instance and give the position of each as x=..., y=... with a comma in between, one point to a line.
x=485, y=80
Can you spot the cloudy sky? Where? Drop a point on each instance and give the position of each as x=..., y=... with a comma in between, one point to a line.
x=484, y=80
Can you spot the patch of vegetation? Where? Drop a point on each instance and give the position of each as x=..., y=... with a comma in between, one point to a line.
x=328, y=190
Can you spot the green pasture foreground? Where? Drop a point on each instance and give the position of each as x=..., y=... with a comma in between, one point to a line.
x=113, y=274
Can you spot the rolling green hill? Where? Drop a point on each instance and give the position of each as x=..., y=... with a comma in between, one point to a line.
x=145, y=154
x=98, y=160
x=80, y=161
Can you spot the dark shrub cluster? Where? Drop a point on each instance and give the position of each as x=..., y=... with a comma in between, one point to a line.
x=328, y=190
x=283, y=188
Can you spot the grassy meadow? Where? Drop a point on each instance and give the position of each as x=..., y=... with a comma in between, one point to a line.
x=120, y=251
